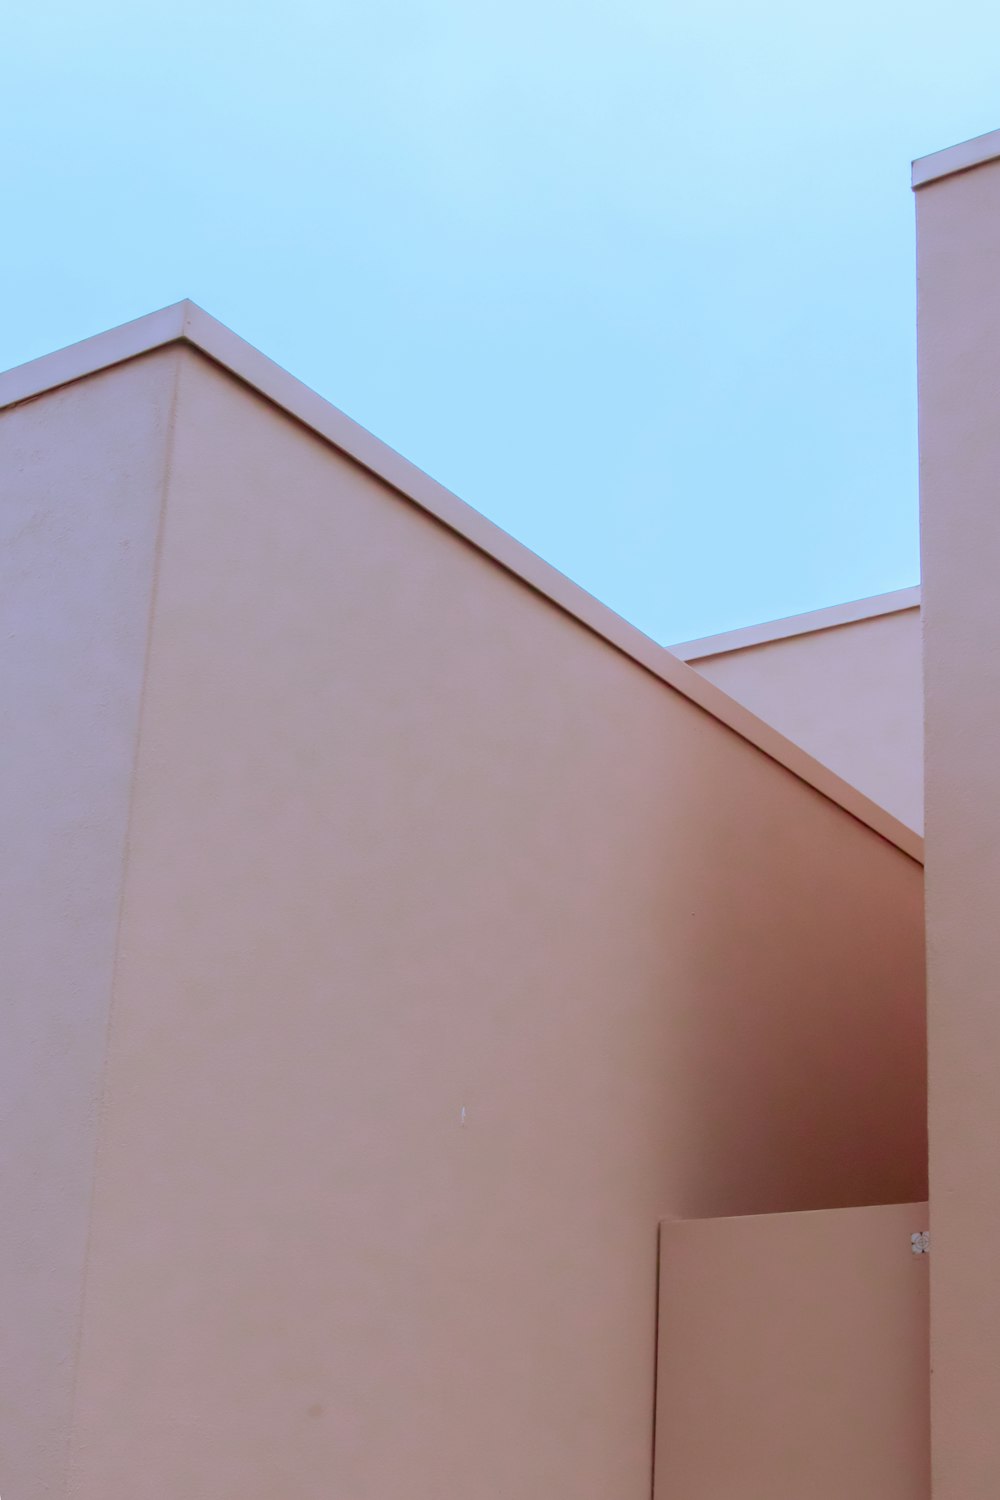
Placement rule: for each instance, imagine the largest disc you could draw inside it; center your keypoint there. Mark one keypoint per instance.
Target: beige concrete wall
(793, 1357)
(851, 695)
(456, 950)
(82, 481)
(959, 322)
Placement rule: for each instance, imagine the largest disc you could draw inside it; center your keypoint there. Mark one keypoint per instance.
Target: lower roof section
(851, 613)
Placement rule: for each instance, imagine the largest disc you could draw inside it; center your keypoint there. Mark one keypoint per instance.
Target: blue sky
(634, 279)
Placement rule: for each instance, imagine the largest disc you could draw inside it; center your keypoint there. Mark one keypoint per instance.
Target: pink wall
(793, 1357)
(82, 478)
(406, 840)
(958, 218)
(851, 695)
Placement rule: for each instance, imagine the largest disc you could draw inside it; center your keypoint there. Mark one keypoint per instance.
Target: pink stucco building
(455, 1046)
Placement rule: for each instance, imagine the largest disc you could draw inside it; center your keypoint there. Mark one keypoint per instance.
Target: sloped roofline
(186, 323)
(852, 613)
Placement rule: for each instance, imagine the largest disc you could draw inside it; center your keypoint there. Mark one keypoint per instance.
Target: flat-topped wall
(794, 1357)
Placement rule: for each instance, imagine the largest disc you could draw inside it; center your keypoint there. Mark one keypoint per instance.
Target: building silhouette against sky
(456, 1046)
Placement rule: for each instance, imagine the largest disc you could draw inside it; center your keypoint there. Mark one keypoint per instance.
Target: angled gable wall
(456, 950)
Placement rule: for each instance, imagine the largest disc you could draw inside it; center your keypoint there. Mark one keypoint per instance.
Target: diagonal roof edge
(185, 322)
(853, 612)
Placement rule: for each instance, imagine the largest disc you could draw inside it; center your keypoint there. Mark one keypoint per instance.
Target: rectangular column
(958, 225)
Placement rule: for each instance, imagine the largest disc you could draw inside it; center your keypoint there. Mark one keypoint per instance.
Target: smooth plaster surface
(793, 1359)
(958, 221)
(851, 695)
(81, 483)
(456, 950)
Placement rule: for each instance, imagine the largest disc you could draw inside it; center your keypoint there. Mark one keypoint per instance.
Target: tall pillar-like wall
(958, 218)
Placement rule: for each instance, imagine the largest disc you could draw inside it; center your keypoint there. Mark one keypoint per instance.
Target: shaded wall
(81, 481)
(958, 220)
(456, 950)
(851, 695)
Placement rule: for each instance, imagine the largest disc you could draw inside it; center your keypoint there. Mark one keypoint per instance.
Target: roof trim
(186, 323)
(830, 618)
(982, 148)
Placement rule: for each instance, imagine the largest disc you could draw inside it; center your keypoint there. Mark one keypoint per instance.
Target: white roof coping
(960, 158)
(186, 323)
(830, 618)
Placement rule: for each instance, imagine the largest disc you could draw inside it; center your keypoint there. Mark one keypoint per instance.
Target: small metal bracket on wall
(920, 1243)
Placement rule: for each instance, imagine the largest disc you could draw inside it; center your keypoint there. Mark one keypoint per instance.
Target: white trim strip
(835, 615)
(952, 159)
(185, 322)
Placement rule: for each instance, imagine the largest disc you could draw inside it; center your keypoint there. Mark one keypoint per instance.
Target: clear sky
(633, 278)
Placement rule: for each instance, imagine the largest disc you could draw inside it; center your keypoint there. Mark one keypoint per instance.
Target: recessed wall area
(793, 1357)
